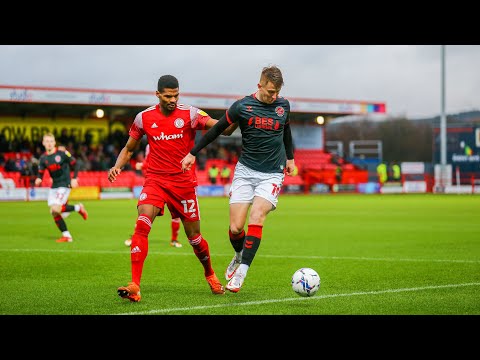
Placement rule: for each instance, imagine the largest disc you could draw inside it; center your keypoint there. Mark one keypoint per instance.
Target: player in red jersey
(170, 128)
(175, 223)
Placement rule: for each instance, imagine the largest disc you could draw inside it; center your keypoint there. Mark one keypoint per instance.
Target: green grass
(376, 255)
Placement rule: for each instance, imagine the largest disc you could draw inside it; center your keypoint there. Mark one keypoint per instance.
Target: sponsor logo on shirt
(263, 123)
(168, 137)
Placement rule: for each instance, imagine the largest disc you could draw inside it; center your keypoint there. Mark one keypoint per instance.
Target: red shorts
(181, 201)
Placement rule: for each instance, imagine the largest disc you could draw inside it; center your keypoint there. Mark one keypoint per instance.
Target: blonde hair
(49, 134)
(272, 74)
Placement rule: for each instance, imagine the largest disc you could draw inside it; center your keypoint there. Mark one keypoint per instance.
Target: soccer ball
(305, 282)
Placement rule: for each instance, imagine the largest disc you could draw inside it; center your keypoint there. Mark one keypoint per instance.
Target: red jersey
(170, 139)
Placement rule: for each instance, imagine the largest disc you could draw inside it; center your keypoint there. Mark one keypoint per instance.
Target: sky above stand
(407, 78)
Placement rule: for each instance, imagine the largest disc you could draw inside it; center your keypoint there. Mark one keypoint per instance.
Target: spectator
(212, 174)
(202, 159)
(338, 173)
(225, 175)
(28, 177)
(382, 173)
(64, 138)
(396, 172)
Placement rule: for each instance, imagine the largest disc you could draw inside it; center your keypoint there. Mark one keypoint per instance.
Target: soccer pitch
(375, 254)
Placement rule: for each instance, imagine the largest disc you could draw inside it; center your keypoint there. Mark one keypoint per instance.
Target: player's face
(267, 92)
(49, 143)
(168, 99)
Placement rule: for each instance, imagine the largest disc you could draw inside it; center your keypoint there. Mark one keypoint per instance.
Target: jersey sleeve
(72, 161)
(232, 113)
(287, 122)
(41, 167)
(136, 130)
(70, 158)
(198, 118)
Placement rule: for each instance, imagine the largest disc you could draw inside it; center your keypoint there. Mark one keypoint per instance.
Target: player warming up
(267, 154)
(170, 128)
(59, 163)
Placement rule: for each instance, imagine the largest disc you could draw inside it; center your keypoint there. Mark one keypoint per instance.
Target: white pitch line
(259, 255)
(298, 298)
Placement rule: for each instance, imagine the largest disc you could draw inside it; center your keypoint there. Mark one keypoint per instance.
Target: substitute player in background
(267, 154)
(170, 128)
(59, 163)
(175, 223)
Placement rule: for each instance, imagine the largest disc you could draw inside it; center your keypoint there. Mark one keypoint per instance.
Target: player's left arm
(74, 165)
(288, 142)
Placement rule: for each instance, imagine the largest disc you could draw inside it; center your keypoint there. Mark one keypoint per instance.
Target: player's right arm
(227, 132)
(41, 171)
(227, 121)
(123, 158)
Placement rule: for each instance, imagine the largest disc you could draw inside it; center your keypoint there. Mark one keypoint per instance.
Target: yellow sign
(85, 193)
(32, 129)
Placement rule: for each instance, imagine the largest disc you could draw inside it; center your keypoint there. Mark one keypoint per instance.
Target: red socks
(139, 247)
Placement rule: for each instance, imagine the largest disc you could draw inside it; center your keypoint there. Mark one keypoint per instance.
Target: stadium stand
(314, 166)
(318, 166)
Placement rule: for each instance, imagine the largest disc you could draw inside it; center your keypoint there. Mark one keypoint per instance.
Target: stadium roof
(19, 100)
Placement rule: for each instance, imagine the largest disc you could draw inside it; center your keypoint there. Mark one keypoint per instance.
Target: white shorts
(248, 183)
(58, 196)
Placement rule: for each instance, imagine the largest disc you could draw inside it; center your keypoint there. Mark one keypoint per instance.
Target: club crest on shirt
(179, 123)
(280, 111)
(57, 158)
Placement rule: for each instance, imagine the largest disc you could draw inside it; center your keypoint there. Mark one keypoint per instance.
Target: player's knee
(195, 239)
(192, 229)
(55, 210)
(236, 228)
(191, 234)
(143, 225)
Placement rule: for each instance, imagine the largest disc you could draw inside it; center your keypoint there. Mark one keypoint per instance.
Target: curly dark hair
(167, 81)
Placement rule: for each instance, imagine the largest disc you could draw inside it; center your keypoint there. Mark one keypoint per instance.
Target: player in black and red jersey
(267, 155)
(59, 163)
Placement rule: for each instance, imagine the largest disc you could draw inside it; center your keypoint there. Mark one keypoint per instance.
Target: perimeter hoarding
(463, 148)
(32, 129)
